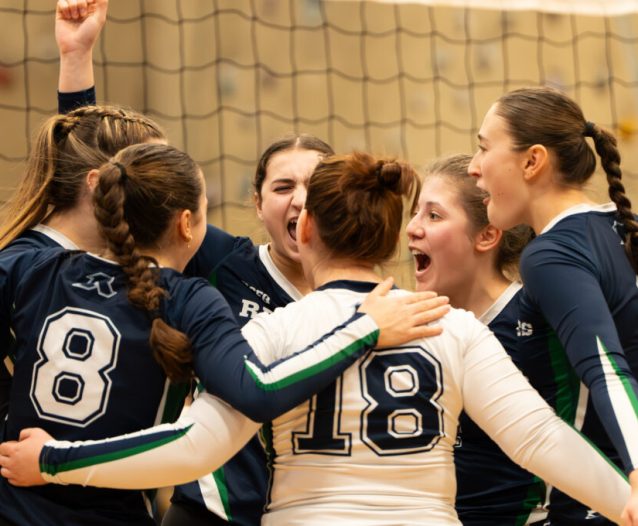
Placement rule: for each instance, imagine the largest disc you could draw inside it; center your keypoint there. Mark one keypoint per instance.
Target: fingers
(420, 296)
(431, 314)
(426, 331)
(5, 472)
(74, 9)
(383, 288)
(7, 448)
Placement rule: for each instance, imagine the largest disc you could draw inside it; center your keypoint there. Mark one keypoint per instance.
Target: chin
(422, 285)
(293, 255)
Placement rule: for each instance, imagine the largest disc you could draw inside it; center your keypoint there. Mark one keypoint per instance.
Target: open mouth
(292, 228)
(421, 260)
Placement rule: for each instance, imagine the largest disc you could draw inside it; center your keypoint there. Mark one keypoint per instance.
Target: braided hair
(66, 148)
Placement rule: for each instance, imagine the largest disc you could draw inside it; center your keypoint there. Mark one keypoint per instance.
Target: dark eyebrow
(283, 180)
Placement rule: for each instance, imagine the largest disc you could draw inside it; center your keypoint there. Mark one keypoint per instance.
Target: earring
(190, 238)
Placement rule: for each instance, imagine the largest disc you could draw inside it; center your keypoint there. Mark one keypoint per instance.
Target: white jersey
(376, 447)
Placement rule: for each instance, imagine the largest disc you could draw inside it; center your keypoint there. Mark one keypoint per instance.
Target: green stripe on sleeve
(53, 469)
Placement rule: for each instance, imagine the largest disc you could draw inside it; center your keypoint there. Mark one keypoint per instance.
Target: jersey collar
(579, 209)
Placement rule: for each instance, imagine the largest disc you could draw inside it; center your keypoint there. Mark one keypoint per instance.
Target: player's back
(83, 370)
(378, 443)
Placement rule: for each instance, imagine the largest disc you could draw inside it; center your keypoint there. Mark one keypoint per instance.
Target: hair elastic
(589, 129)
(123, 174)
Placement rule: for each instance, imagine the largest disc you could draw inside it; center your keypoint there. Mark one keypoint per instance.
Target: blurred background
(407, 79)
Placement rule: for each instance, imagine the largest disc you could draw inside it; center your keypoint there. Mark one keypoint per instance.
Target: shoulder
(191, 297)
(216, 248)
(32, 255)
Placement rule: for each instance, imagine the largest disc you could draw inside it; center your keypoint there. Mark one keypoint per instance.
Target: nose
(414, 230)
(299, 196)
(473, 169)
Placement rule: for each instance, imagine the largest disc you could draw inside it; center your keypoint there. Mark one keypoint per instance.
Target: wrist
(76, 71)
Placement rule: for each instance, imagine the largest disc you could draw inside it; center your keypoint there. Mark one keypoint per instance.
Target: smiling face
(441, 239)
(282, 197)
(500, 170)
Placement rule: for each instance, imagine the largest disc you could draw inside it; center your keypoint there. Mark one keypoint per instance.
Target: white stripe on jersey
(621, 401)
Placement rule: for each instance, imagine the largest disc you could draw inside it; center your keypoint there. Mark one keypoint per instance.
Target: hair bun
(389, 175)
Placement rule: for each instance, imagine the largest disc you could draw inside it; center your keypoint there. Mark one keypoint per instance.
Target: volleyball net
(410, 79)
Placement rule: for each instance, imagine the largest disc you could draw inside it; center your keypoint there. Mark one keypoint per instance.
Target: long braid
(171, 348)
(605, 144)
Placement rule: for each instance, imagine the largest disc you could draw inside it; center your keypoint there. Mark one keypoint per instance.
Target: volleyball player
(460, 254)
(376, 446)
(579, 273)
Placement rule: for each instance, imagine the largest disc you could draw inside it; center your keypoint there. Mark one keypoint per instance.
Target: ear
(488, 238)
(91, 180)
(305, 227)
(257, 199)
(184, 221)
(535, 161)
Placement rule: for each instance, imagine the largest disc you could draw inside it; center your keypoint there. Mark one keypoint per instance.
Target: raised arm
(500, 400)
(78, 24)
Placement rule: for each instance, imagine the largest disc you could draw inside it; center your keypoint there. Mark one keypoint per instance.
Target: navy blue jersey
(84, 369)
(491, 488)
(251, 283)
(581, 290)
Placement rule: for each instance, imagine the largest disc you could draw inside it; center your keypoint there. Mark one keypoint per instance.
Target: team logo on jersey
(100, 282)
(250, 309)
(259, 293)
(524, 328)
(619, 228)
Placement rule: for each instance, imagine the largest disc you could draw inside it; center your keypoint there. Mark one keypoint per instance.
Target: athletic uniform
(251, 283)
(80, 351)
(580, 286)
(376, 446)
(491, 488)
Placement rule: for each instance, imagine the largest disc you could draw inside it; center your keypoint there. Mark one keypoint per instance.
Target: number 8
(71, 384)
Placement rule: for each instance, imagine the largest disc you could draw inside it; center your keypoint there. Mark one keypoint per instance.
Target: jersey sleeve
(228, 367)
(502, 402)
(568, 292)
(72, 100)
(208, 434)
(217, 245)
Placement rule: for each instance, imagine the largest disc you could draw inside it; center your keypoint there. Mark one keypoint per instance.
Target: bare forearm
(76, 72)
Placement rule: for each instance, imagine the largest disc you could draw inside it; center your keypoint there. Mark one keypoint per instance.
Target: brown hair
(285, 143)
(455, 169)
(357, 203)
(148, 181)
(548, 117)
(66, 148)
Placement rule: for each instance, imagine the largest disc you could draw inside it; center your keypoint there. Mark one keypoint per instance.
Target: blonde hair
(66, 148)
